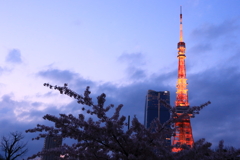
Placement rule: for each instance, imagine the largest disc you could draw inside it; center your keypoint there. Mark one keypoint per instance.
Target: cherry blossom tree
(106, 137)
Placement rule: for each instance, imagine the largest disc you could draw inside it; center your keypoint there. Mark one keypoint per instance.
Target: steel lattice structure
(183, 128)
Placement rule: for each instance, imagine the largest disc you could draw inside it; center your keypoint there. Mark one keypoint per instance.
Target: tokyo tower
(183, 128)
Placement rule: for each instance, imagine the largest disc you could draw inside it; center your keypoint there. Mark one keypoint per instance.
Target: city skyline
(123, 49)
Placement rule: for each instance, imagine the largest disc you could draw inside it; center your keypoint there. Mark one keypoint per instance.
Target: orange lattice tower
(184, 129)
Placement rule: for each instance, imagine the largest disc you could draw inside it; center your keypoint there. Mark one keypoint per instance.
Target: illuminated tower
(184, 129)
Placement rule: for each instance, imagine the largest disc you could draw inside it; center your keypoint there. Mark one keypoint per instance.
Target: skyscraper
(155, 109)
(184, 129)
(51, 142)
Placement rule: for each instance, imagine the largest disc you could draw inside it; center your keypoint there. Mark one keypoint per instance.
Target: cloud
(219, 85)
(215, 122)
(135, 59)
(234, 59)
(135, 73)
(134, 62)
(5, 69)
(14, 56)
(218, 120)
(58, 75)
(212, 32)
(219, 41)
(19, 116)
(22, 111)
(23, 115)
(132, 96)
(201, 48)
(65, 76)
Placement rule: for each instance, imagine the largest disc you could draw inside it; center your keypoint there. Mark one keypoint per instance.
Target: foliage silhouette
(106, 137)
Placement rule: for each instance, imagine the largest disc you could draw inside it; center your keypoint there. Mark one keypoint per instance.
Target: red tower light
(183, 128)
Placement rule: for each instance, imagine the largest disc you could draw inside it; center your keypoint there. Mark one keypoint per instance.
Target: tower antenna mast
(181, 30)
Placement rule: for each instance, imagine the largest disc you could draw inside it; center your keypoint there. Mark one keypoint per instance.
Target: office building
(155, 109)
(51, 142)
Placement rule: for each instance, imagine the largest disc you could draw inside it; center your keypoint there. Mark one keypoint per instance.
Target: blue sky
(121, 48)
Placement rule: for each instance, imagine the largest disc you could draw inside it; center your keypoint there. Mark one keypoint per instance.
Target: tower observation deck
(183, 127)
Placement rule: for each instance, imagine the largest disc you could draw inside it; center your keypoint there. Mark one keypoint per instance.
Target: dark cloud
(201, 48)
(133, 96)
(132, 58)
(58, 75)
(6, 106)
(134, 62)
(212, 32)
(64, 76)
(30, 111)
(219, 41)
(14, 56)
(9, 119)
(234, 60)
(218, 120)
(48, 94)
(135, 73)
(215, 122)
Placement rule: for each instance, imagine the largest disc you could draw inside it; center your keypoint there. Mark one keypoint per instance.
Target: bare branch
(12, 146)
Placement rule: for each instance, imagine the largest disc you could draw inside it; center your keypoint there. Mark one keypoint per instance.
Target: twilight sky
(121, 48)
